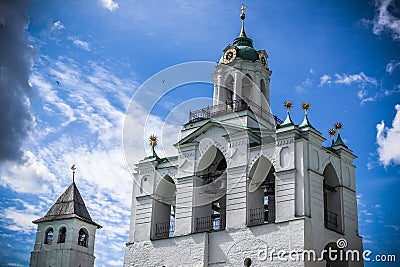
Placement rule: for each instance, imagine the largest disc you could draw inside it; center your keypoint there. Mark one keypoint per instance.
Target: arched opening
(83, 237)
(246, 87)
(48, 236)
(261, 193)
(262, 88)
(335, 256)
(210, 192)
(62, 233)
(332, 200)
(227, 91)
(163, 222)
(142, 184)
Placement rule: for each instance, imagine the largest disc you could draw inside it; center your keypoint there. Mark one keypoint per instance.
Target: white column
(256, 91)
(237, 86)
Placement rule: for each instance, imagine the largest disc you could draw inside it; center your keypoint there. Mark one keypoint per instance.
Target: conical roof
(69, 205)
(339, 142)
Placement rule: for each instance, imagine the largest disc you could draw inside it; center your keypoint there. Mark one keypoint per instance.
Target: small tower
(65, 236)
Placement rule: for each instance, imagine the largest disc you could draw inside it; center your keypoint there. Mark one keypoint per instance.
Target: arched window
(83, 237)
(228, 90)
(264, 92)
(261, 193)
(262, 88)
(62, 233)
(332, 200)
(142, 184)
(246, 87)
(163, 222)
(48, 236)
(210, 192)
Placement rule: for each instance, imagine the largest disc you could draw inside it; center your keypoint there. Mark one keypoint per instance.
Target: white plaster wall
(63, 254)
(190, 250)
(224, 248)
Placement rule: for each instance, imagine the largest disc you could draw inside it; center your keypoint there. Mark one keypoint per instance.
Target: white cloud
(388, 140)
(325, 79)
(392, 65)
(109, 4)
(362, 93)
(50, 95)
(387, 18)
(307, 83)
(79, 43)
(82, 124)
(395, 90)
(349, 79)
(15, 219)
(57, 26)
(32, 176)
(360, 79)
(363, 96)
(394, 227)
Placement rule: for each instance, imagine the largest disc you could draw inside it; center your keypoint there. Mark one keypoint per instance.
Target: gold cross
(73, 168)
(243, 8)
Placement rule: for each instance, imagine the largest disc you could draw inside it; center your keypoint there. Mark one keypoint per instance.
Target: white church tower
(246, 188)
(65, 236)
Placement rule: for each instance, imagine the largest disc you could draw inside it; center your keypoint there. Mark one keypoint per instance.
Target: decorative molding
(257, 156)
(238, 142)
(146, 171)
(286, 141)
(331, 160)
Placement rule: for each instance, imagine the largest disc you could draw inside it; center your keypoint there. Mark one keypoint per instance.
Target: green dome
(245, 48)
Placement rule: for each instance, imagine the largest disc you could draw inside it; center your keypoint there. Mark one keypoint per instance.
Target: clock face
(229, 55)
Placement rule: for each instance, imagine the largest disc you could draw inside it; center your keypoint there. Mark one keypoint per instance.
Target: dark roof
(69, 205)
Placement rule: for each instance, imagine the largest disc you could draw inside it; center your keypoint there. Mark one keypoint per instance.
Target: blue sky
(76, 64)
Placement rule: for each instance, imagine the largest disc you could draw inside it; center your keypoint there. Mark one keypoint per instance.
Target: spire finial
(153, 143)
(288, 105)
(242, 17)
(332, 133)
(305, 106)
(339, 142)
(338, 126)
(288, 121)
(73, 168)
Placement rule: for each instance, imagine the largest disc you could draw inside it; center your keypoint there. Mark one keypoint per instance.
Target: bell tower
(65, 236)
(242, 74)
(245, 187)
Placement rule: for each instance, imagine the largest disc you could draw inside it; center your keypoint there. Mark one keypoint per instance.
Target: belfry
(65, 236)
(246, 188)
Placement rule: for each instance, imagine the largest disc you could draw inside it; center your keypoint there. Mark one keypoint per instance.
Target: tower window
(261, 193)
(210, 189)
(83, 238)
(48, 237)
(332, 200)
(164, 206)
(62, 234)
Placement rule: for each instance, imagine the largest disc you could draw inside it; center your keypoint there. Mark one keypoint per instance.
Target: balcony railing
(331, 220)
(231, 107)
(215, 222)
(258, 216)
(164, 230)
